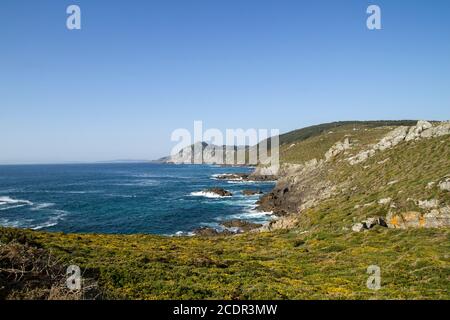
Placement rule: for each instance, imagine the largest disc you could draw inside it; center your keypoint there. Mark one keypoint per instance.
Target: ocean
(123, 198)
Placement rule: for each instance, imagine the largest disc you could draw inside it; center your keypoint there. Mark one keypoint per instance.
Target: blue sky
(140, 69)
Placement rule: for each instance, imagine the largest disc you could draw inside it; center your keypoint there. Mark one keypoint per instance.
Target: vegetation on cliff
(317, 255)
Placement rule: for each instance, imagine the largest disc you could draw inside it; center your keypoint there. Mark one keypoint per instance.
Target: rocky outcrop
(287, 222)
(338, 148)
(422, 130)
(210, 232)
(433, 219)
(299, 187)
(219, 191)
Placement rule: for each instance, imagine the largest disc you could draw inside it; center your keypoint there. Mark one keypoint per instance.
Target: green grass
(316, 146)
(279, 265)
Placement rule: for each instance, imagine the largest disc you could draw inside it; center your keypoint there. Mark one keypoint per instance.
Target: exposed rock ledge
(435, 218)
(422, 130)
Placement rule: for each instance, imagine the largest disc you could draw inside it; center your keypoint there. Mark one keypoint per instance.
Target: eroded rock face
(435, 218)
(299, 187)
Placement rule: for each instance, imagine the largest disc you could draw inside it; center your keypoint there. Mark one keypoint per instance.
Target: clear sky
(137, 70)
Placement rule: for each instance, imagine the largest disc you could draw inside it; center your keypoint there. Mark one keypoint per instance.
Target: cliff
(398, 174)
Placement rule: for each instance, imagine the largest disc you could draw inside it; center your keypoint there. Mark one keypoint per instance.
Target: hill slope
(329, 182)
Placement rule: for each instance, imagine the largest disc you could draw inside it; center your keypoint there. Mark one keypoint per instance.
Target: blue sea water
(122, 198)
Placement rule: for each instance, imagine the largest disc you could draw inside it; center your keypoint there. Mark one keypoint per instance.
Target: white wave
(121, 195)
(8, 200)
(226, 177)
(12, 207)
(254, 215)
(45, 225)
(52, 221)
(207, 194)
(139, 183)
(41, 206)
(10, 224)
(181, 234)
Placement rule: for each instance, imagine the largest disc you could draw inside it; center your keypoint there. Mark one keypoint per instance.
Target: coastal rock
(219, 191)
(245, 177)
(211, 232)
(299, 187)
(248, 192)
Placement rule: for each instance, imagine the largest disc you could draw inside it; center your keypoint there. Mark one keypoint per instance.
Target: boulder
(358, 227)
(337, 149)
(415, 132)
(384, 201)
(445, 185)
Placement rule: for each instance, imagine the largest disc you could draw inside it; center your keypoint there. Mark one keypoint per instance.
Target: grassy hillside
(318, 258)
(278, 265)
(313, 131)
